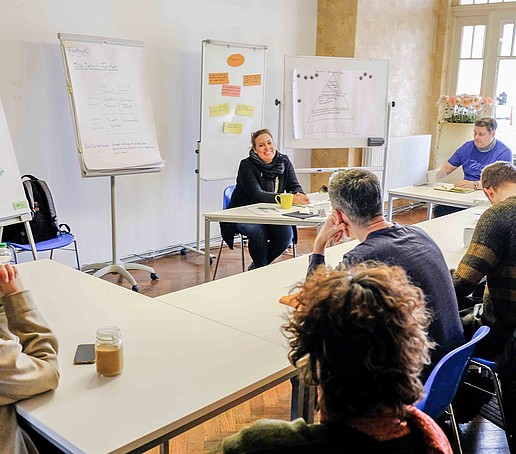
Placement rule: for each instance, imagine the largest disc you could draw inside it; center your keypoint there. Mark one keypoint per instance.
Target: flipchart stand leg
(116, 266)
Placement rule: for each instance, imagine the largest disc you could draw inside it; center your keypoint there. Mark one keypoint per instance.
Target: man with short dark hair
(473, 156)
(356, 198)
(492, 254)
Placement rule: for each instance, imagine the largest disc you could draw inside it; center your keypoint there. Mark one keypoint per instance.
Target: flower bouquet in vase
(464, 108)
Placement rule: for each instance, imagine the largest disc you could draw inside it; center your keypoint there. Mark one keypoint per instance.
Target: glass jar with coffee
(109, 351)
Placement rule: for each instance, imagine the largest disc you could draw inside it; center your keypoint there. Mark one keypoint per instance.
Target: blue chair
(444, 380)
(61, 241)
(226, 199)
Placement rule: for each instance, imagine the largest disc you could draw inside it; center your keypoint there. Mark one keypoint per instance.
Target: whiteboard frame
(85, 173)
(204, 171)
(336, 64)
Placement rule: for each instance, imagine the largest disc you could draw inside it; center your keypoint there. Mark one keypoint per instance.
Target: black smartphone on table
(85, 354)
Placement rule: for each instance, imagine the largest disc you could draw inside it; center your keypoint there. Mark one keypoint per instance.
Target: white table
(245, 215)
(180, 368)
(430, 195)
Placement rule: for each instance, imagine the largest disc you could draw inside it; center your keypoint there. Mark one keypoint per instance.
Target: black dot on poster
(370, 76)
(311, 77)
(306, 77)
(316, 74)
(365, 74)
(299, 75)
(360, 77)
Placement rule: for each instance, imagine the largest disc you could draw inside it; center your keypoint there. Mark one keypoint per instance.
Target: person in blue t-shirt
(473, 156)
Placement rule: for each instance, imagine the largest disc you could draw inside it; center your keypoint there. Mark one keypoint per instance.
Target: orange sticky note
(231, 90)
(235, 60)
(218, 78)
(252, 79)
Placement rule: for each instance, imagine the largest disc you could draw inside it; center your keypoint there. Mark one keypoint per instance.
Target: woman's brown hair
(363, 331)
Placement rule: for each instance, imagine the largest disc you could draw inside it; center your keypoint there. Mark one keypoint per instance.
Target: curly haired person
(360, 336)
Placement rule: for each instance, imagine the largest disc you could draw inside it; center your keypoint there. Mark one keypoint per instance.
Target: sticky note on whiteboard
(20, 205)
(244, 109)
(218, 78)
(219, 109)
(231, 90)
(252, 79)
(232, 127)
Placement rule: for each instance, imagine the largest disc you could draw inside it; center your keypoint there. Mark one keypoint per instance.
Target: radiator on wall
(407, 163)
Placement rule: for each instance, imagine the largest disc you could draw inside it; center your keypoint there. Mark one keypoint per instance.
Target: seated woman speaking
(261, 176)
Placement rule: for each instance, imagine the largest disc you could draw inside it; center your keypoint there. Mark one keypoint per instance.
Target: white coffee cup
(467, 235)
(431, 177)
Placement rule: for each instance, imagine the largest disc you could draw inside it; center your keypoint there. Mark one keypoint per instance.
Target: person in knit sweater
(28, 359)
(492, 254)
(359, 335)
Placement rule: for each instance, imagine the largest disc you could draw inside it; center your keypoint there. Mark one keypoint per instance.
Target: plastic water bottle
(5, 254)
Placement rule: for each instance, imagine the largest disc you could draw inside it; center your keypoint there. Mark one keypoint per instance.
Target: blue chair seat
(60, 241)
(443, 382)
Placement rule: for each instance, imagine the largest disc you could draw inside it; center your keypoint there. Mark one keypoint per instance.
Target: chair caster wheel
(183, 251)
(135, 288)
(154, 276)
(212, 259)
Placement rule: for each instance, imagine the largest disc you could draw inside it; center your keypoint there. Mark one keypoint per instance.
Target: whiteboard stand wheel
(184, 251)
(135, 288)
(212, 259)
(154, 276)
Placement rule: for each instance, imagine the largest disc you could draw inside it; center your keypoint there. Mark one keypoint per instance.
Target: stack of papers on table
(265, 208)
(451, 188)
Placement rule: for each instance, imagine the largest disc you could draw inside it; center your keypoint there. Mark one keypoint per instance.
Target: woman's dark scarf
(270, 171)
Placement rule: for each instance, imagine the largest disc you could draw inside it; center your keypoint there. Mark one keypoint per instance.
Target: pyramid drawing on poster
(331, 112)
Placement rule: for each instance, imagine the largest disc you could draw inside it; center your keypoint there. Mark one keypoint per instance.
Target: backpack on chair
(44, 224)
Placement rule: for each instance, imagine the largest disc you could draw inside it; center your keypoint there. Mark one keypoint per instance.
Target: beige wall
(404, 33)
(411, 35)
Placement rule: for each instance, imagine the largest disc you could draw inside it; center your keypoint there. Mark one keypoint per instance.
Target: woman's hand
(8, 275)
(301, 199)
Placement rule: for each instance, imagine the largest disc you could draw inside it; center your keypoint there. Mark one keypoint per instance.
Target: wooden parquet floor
(177, 272)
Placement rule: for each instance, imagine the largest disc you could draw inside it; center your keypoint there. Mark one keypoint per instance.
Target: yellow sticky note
(233, 128)
(219, 109)
(244, 109)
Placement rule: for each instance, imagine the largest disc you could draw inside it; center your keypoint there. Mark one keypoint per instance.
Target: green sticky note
(20, 205)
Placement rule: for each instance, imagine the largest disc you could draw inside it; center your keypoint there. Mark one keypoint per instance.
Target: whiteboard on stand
(334, 102)
(232, 105)
(13, 203)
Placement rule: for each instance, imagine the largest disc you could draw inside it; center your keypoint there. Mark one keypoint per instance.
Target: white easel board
(111, 107)
(232, 104)
(334, 102)
(13, 203)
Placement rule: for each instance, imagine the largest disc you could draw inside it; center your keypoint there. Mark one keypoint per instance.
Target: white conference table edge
(167, 431)
(244, 215)
(431, 196)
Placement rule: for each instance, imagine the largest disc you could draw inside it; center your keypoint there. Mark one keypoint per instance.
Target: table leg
(207, 254)
(429, 210)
